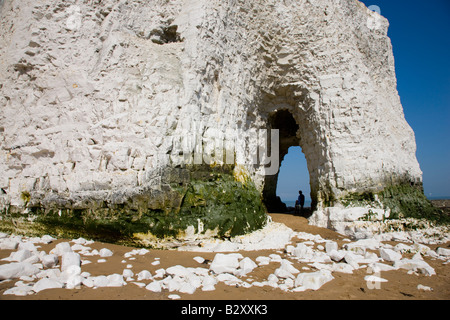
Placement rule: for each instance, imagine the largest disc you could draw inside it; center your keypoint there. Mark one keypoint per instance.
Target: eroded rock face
(102, 103)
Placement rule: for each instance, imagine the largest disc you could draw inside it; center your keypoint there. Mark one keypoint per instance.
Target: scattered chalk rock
(330, 246)
(70, 259)
(47, 239)
(263, 261)
(27, 246)
(17, 270)
(177, 270)
(105, 253)
(424, 288)
(381, 267)
(199, 259)
(127, 273)
(415, 265)
(50, 260)
(115, 280)
(88, 282)
(19, 291)
(337, 255)
(29, 264)
(443, 252)
(74, 282)
(208, 283)
(45, 284)
(20, 255)
(187, 288)
(246, 266)
(160, 273)
(302, 251)
(352, 260)
(224, 263)
(144, 275)
(9, 244)
(343, 268)
(312, 281)
(286, 270)
(390, 255)
(154, 286)
(100, 281)
(61, 248)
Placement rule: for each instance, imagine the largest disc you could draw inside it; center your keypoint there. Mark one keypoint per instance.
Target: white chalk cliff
(97, 96)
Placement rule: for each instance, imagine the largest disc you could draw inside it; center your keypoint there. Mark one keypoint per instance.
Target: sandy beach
(400, 285)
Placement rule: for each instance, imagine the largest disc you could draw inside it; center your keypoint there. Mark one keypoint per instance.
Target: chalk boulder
(415, 265)
(443, 252)
(389, 255)
(45, 284)
(17, 270)
(50, 260)
(70, 259)
(225, 263)
(61, 248)
(312, 281)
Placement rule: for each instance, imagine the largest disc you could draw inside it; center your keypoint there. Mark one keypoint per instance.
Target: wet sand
(400, 285)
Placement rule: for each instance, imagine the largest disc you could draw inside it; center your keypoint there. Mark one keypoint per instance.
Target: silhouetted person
(300, 202)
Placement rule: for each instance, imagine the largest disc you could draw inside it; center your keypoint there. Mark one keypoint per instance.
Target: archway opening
(284, 121)
(292, 178)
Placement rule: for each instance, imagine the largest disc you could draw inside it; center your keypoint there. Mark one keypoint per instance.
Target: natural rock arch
(290, 109)
(283, 121)
(92, 134)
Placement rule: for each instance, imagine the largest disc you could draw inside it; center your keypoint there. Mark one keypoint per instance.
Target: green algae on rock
(218, 206)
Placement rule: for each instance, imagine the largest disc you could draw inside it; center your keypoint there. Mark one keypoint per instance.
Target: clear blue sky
(420, 35)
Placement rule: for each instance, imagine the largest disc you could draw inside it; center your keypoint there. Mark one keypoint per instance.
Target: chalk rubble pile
(37, 270)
